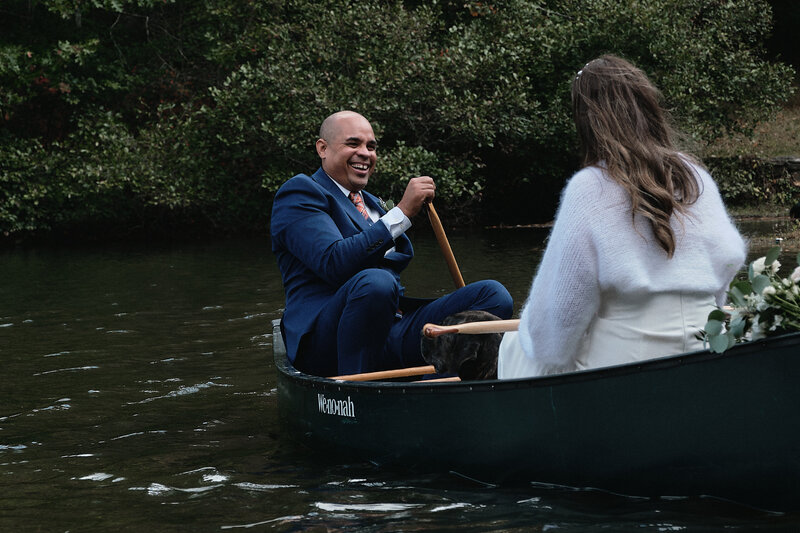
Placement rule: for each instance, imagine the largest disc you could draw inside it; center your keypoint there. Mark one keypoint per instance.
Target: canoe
(724, 425)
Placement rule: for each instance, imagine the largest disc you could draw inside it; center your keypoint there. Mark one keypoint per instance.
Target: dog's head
(469, 356)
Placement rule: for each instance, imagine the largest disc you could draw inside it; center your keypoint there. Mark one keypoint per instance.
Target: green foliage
(104, 175)
(402, 162)
(202, 109)
(765, 304)
(22, 186)
(749, 181)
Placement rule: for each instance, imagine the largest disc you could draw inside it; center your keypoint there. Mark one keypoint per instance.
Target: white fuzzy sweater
(595, 250)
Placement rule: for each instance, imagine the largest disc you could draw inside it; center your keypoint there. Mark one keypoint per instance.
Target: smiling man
(340, 256)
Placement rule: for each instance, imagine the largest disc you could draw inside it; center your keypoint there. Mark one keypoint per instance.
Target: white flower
(756, 302)
(768, 311)
(758, 265)
(753, 301)
(756, 332)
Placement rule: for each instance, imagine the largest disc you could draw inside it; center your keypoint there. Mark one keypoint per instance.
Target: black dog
(469, 356)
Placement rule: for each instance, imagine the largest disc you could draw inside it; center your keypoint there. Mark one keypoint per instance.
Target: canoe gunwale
(651, 365)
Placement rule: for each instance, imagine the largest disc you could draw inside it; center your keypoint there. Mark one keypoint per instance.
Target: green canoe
(724, 425)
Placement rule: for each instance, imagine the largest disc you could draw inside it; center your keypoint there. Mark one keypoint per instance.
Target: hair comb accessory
(578, 75)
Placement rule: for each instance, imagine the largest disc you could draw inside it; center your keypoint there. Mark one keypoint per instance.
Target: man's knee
(375, 283)
(494, 298)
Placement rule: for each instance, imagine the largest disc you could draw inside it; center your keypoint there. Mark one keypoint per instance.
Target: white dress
(606, 293)
(624, 331)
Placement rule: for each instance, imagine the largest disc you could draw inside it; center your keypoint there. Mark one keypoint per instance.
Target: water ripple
(158, 489)
(168, 360)
(71, 369)
(98, 476)
(211, 474)
(57, 354)
(63, 407)
(249, 317)
(450, 506)
(280, 519)
(138, 433)
(13, 447)
(262, 487)
(368, 507)
(182, 391)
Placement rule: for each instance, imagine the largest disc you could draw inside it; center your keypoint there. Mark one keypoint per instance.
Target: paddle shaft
(441, 238)
(439, 380)
(471, 328)
(388, 374)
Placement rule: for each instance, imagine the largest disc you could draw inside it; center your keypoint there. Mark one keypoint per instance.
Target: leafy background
(124, 117)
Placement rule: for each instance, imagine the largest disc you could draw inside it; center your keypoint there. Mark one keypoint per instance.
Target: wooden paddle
(472, 328)
(433, 330)
(441, 238)
(388, 374)
(439, 380)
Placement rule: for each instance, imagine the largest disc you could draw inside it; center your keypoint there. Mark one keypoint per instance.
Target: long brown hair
(622, 125)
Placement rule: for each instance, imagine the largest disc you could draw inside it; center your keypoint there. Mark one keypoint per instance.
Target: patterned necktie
(356, 199)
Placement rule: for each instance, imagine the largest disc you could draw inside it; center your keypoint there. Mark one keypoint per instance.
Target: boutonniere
(386, 206)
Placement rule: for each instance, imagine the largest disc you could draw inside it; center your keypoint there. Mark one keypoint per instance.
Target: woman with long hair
(642, 248)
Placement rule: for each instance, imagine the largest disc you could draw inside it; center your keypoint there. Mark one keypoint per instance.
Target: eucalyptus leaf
(737, 297)
(718, 343)
(745, 286)
(713, 328)
(750, 273)
(717, 314)
(731, 340)
(772, 255)
(737, 326)
(760, 283)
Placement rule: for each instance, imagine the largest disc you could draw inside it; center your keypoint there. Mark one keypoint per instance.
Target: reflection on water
(138, 393)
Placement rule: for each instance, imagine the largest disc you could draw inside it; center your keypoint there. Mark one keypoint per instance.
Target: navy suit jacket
(321, 240)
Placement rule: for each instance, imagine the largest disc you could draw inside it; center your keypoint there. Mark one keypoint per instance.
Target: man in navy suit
(340, 256)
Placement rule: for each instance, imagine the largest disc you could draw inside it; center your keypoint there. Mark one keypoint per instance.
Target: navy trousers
(361, 329)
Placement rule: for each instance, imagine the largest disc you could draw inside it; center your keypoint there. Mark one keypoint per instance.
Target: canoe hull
(723, 425)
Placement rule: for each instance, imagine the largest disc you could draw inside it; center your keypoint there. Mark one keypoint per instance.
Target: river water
(138, 394)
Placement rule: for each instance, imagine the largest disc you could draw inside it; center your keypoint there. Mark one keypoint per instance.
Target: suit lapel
(403, 249)
(372, 202)
(344, 202)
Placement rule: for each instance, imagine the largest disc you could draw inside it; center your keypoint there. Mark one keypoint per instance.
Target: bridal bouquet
(765, 304)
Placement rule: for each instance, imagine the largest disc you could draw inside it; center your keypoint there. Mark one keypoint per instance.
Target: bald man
(340, 256)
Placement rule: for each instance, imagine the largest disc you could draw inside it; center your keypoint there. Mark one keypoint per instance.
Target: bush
(201, 110)
(750, 181)
(24, 190)
(487, 86)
